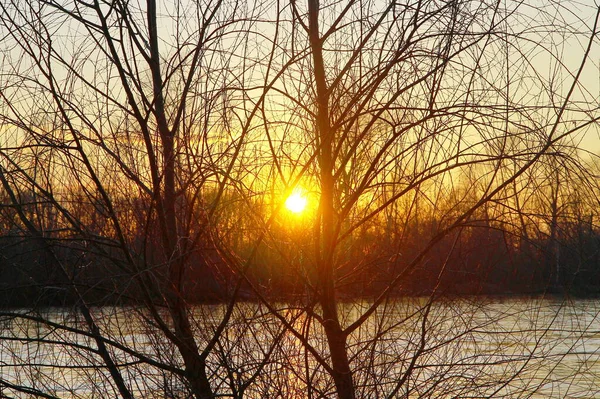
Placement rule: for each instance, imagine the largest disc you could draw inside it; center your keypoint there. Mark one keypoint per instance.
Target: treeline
(485, 255)
(65, 263)
(481, 258)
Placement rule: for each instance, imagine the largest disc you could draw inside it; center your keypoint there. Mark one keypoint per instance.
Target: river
(460, 348)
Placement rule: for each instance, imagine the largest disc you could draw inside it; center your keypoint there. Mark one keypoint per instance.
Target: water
(530, 348)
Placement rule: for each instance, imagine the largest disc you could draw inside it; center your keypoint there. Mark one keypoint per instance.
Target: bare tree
(121, 123)
(147, 151)
(399, 102)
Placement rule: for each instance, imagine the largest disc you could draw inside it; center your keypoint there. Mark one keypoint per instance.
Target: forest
(552, 250)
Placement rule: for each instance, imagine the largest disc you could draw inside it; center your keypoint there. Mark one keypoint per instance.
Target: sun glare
(296, 202)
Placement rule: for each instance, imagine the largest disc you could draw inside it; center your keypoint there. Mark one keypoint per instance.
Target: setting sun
(296, 202)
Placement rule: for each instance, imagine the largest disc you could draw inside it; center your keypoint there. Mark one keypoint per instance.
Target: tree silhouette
(147, 150)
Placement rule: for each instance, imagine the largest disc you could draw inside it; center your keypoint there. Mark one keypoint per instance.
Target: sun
(296, 202)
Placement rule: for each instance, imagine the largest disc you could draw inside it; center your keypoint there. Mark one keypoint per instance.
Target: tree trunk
(195, 365)
(336, 338)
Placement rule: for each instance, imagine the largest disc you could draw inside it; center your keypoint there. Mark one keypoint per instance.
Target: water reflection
(410, 348)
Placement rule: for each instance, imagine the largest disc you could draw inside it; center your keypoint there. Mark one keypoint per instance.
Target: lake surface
(477, 347)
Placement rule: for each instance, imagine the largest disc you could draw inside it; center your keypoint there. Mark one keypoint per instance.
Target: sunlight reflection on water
(539, 348)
